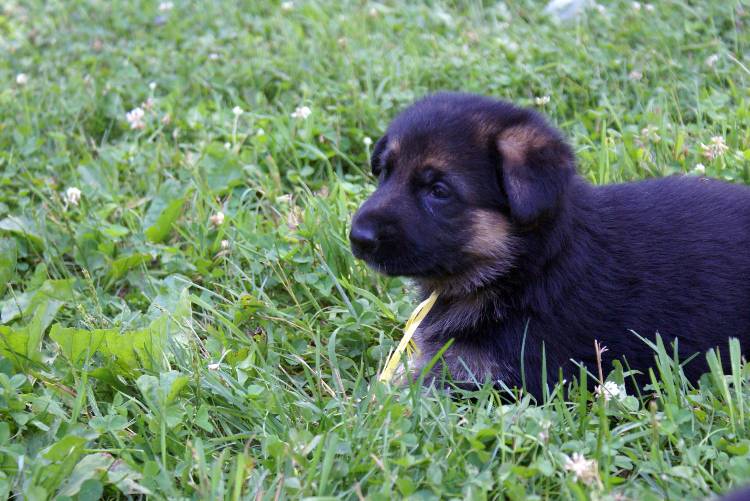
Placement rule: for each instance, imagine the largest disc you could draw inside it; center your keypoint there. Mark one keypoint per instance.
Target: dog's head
(462, 180)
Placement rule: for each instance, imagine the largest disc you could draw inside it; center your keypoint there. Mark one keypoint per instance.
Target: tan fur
(516, 142)
(439, 162)
(493, 246)
(491, 235)
(483, 126)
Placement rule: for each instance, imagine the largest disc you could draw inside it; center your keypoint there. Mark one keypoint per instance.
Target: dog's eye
(440, 190)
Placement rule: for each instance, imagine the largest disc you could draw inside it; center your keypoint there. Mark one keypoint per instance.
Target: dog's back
(674, 258)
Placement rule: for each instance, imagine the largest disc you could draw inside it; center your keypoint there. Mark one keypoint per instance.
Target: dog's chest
(472, 357)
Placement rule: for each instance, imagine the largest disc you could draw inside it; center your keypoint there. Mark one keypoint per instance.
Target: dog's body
(519, 246)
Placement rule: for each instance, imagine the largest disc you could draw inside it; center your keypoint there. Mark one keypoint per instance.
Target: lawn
(180, 314)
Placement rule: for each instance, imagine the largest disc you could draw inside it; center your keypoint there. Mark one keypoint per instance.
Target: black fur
(582, 262)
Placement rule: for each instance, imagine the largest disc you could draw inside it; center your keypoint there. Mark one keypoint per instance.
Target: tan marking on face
(439, 161)
(516, 142)
(493, 247)
(490, 235)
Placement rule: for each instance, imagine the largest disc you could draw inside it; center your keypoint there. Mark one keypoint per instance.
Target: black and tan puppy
(480, 200)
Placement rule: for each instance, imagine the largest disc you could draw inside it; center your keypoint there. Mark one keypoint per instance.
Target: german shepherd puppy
(480, 200)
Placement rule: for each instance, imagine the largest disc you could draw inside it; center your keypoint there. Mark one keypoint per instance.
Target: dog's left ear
(537, 166)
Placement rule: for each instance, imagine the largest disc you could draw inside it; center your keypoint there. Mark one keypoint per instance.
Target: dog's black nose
(363, 238)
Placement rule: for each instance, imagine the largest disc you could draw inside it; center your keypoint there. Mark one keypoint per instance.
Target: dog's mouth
(395, 262)
(397, 268)
(408, 264)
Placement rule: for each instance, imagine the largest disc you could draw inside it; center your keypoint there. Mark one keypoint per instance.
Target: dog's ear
(376, 157)
(536, 167)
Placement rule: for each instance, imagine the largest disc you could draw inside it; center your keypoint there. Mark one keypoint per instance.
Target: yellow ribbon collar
(407, 343)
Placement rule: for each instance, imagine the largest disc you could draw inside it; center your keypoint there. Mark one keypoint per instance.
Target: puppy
(480, 201)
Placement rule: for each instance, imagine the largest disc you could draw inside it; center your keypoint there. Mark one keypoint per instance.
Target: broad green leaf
(171, 298)
(25, 341)
(163, 225)
(109, 423)
(160, 392)
(114, 230)
(221, 169)
(133, 349)
(90, 467)
(174, 297)
(66, 446)
(13, 341)
(52, 294)
(91, 490)
(23, 227)
(122, 265)
(36, 329)
(75, 344)
(138, 348)
(203, 420)
(101, 176)
(164, 211)
(126, 479)
(8, 257)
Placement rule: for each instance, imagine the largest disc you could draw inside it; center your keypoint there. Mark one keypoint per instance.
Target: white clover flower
(22, 79)
(699, 169)
(166, 6)
(228, 146)
(611, 390)
(224, 244)
(217, 219)
(135, 118)
(302, 112)
(367, 141)
(152, 86)
(260, 132)
(651, 133)
(542, 100)
(373, 12)
(213, 56)
(287, 6)
(716, 148)
(635, 75)
(649, 7)
(73, 195)
(148, 104)
(712, 60)
(166, 119)
(636, 6)
(511, 46)
(237, 111)
(584, 470)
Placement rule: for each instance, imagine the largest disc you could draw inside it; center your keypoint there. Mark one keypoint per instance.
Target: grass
(147, 350)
